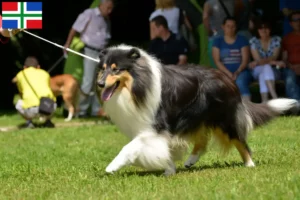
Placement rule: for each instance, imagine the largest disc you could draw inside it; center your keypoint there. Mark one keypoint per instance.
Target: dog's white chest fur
(123, 112)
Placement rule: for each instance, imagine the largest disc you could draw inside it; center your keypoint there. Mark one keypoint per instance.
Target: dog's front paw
(169, 172)
(110, 169)
(249, 164)
(191, 161)
(67, 120)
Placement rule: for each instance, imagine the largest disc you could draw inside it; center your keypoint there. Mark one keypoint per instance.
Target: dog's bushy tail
(261, 114)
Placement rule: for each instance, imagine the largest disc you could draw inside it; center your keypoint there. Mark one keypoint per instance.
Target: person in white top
(171, 12)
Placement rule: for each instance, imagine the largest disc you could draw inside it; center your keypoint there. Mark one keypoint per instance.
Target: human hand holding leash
(66, 46)
(9, 32)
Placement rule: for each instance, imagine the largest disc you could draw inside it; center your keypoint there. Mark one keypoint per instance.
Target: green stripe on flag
(22, 13)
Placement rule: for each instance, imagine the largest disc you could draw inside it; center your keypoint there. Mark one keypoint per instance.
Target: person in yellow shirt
(39, 80)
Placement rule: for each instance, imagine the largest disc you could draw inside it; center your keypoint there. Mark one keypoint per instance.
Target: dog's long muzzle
(101, 81)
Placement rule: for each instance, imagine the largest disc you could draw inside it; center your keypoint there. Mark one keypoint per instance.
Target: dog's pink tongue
(107, 93)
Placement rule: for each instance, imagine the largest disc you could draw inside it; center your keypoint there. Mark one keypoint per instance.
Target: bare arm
(216, 57)
(7, 33)
(71, 35)
(275, 55)
(263, 61)
(285, 56)
(14, 80)
(151, 32)
(245, 58)
(284, 62)
(182, 59)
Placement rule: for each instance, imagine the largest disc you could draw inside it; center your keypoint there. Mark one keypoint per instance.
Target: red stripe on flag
(34, 24)
(9, 6)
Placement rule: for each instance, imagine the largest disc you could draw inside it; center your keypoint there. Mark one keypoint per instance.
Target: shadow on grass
(73, 122)
(8, 112)
(100, 173)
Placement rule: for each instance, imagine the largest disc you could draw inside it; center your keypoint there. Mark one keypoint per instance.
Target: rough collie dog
(164, 108)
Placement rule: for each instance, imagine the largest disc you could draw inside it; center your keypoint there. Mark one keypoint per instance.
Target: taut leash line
(62, 47)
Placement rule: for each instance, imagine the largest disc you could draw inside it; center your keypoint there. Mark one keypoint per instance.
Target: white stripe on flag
(30, 12)
(13, 12)
(13, 18)
(32, 18)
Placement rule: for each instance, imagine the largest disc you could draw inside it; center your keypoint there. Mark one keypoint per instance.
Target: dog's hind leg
(148, 150)
(244, 151)
(244, 124)
(200, 146)
(69, 104)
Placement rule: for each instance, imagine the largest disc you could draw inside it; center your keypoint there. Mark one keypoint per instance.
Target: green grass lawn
(69, 163)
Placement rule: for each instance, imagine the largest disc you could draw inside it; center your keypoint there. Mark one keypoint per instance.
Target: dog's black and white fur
(163, 108)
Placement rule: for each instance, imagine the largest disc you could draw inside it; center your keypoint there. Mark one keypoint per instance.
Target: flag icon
(24, 15)
(0, 22)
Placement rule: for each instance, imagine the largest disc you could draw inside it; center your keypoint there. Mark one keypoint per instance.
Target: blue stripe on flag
(10, 23)
(34, 6)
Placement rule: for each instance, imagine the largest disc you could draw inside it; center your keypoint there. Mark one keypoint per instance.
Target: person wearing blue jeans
(231, 54)
(93, 26)
(292, 88)
(291, 80)
(291, 57)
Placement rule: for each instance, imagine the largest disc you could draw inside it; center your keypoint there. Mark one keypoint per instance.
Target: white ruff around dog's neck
(121, 108)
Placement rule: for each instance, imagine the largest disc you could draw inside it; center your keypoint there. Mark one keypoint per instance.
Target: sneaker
(27, 124)
(83, 116)
(48, 124)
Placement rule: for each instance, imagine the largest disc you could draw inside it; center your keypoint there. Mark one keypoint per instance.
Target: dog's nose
(101, 83)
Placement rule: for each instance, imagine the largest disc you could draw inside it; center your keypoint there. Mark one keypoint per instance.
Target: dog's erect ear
(134, 53)
(102, 53)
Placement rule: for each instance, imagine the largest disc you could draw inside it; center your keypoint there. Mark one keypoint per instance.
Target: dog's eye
(116, 70)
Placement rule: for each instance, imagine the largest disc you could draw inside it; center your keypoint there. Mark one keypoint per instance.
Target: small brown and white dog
(67, 86)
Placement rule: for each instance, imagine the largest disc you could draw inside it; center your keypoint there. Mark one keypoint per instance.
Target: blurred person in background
(33, 83)
(167, 46)
(174, 16)
(291, 57)
(231, 54)
(265, 51)
(214, 13)
(93, 25)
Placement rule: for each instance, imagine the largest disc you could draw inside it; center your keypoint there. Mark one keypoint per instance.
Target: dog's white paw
(169, 172)
(249, 164)
(191, 161)
(110, 169)
(67, 119)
